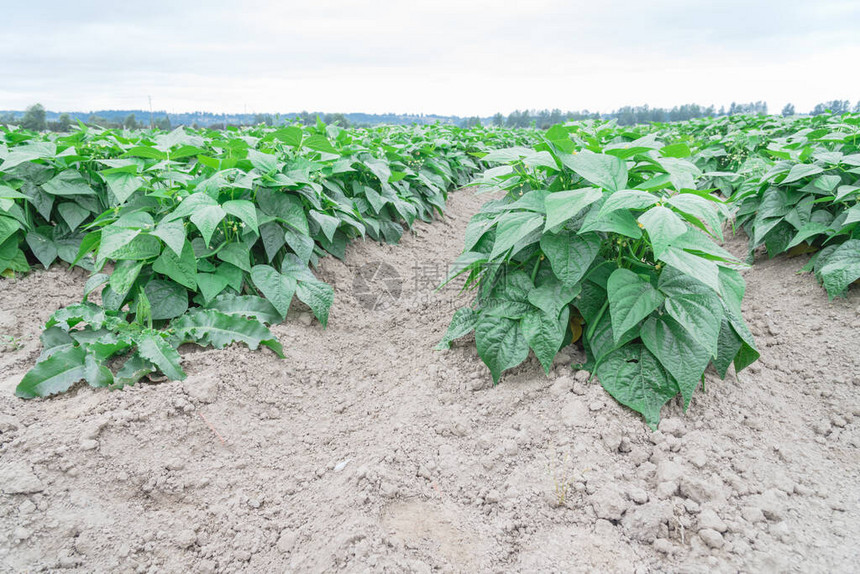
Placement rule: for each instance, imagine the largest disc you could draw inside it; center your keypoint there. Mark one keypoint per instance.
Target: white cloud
(444, 56)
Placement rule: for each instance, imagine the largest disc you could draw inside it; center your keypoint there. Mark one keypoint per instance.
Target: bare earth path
(367, 451)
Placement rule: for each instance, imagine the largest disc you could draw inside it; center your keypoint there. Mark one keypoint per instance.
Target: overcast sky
(462, 57)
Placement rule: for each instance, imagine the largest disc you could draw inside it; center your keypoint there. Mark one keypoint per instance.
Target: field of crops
(605, 275)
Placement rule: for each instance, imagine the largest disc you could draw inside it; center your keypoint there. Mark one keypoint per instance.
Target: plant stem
(597, 319)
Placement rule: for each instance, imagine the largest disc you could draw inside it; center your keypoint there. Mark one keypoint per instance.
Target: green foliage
(624, 240)
(172, 223)
(804, 195)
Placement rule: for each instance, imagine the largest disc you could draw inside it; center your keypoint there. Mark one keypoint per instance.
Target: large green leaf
(462, 323)
(501, 344)
(602, 170)
(631, 299)
(509, 297)
(512, 228)
(67, 183)
(662, 225)
(694, 305)
(153, 348)
(276, 287)
(693, 265)
(55, 374)
(318, 296)
(207, 219)
(570, 255)
(173, 235)
(211, 327)
(182, 269)
(122, 185)
(677, 351)
(564, 205)
(246, 306)
(244, 210)
(124, 275)
(627, 199)
(801, 170)
(552, 295)
(167, 299)
(841, 268)
(634, 378)
(545, 334)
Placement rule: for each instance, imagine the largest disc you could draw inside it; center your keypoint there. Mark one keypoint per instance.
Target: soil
(367, 451)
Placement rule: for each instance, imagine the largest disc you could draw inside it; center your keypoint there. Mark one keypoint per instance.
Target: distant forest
(37, 118)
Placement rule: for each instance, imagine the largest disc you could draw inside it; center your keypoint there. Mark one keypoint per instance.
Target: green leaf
(302, 245)
(263, 162)
(207, 219)
(246, 306)
(677, 351)
(552, 295)
(328, 223)
(276, 287)
(602, 170)
(236, 254)
(627, 199)
(244, 210)
(43, 247)
(73, 214)
(173, 235)
(694, 305)
(155, 349)
(8, 227)
(272, 236)
(134, 369)
(631, 299)
(728, 345)
(286, 207)
(509, 297)
(68, 183)
(94, 282)
(732, 288)
(501, 344)
(290, 135)
(512, 228)
(698, 209)
(562, 206)
(841, 268)
(319, 143)
(662, 226)
(181, 269)
(462, 323)
(545, 334)
(318, 296)
(621, 222)
(124, 275)
(122, 185)
(211, 285)
(801, 170)
(634, 378)
(72, 315)
(211, 327)
(115, 238)
(55, 374)
(705, 271)
(679, 150)
(166, 298)
(570, 255)
(96, 374)
(190, 205)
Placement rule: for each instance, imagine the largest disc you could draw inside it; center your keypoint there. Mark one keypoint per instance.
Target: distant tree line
(36, 118)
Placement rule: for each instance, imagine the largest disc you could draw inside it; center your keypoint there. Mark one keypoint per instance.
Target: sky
(449, 57)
